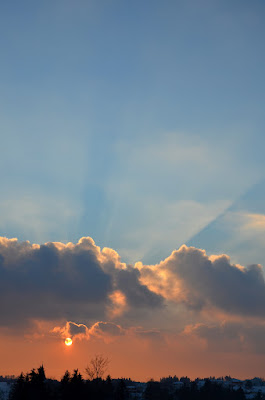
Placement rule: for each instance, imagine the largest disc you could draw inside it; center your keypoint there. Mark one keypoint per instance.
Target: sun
(68, 341)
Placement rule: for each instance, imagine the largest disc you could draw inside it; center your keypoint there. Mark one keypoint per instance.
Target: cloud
(81, 282)
(106, 331)
(191, 306)
(66, 281)
(137, 295)
(118, 304)
(71, 329)
(101, 330)
(254, 221)
(230, 336)
(200, 282)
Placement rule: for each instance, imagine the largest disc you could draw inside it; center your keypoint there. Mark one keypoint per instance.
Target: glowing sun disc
(68, 341)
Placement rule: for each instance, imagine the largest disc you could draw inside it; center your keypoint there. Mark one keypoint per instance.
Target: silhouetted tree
(19, 390)
(152, 391)
(120, 392)
(37, 388)
(65, 383)
(97, 367)
(30, 387)
(108, 388)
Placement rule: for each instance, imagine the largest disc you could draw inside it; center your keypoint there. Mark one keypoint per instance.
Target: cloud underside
(88, 293)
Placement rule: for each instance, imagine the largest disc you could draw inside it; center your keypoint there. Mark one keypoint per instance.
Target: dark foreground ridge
(35, 386)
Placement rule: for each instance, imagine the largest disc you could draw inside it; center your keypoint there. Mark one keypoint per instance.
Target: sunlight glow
(68, 341)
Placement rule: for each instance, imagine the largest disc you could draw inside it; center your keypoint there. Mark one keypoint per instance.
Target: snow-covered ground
(251, 394)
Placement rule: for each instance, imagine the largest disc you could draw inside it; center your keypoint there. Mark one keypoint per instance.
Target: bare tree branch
(97, 367)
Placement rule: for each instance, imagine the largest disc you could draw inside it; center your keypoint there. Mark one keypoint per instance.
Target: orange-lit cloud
(190, 302)
(118, 304)
(73, 330)
(56, 280)
(191, 277)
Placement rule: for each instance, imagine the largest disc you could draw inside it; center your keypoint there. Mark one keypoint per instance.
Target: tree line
(35, 386)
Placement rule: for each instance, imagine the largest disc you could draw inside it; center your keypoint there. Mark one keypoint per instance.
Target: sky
(132, 195)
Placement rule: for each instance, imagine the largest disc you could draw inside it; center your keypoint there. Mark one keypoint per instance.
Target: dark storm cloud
(137, 295)
(103, 330)
(55, 281)
(48, 282)
(232, 336)
(81, 282)
(76, 329)
(106, 328)
(191, 277)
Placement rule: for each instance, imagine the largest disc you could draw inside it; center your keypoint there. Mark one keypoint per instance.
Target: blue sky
(135, 123)
(141, 125)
